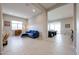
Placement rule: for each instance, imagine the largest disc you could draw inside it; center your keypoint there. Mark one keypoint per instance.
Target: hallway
(59, 45)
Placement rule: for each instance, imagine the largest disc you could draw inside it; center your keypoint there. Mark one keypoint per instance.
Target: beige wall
(64, 21)
(10, 18)
(39, 23)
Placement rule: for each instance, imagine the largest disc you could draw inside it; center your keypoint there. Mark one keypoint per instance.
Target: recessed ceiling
(61, 12)
(22, 10)
(47, 5)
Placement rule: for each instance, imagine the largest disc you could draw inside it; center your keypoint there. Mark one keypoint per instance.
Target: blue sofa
(31, 34)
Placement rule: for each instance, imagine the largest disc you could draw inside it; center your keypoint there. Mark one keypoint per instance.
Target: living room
(32, 36)
(19, 19)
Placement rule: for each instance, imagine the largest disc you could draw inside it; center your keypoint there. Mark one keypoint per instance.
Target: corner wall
(39, 23)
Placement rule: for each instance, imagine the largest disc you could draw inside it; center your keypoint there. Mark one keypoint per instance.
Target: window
(16, 25)
(55, 26)
(52, 26)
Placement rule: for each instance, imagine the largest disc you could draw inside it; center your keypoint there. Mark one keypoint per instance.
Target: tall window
(16, 25)
(55, 26)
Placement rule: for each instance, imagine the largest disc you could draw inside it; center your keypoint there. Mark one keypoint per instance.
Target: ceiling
(47, 5)
(27, 10)
(23, 10)
(61, 12)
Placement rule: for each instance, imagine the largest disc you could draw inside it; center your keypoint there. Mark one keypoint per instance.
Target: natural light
(16, 25)
(56, 26)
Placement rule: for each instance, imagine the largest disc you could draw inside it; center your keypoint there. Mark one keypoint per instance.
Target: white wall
(67, 30)
(10, 18)
(77, 20)
(39, 23)
(64, 21)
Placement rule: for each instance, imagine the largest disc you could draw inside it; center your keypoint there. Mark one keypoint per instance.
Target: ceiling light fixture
(33, 10)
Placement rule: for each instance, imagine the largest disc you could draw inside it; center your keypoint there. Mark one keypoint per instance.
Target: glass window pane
(51, 26)
(19, 26)
(14, 26)
(16, 22)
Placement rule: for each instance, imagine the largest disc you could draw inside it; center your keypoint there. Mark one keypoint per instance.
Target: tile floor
(58, 45)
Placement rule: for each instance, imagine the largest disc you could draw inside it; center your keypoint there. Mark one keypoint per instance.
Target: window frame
(17, 23)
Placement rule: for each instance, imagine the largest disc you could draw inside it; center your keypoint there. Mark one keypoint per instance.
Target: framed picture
(6, 23)
(67, 25)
